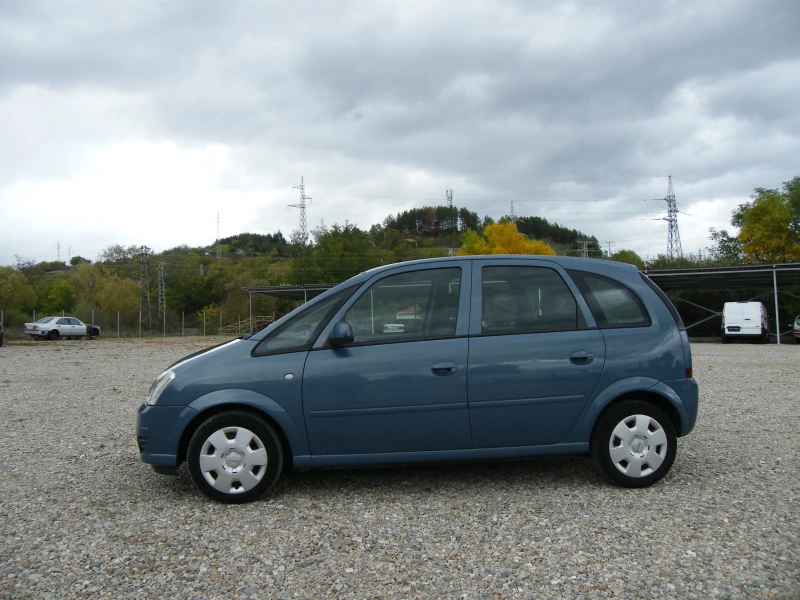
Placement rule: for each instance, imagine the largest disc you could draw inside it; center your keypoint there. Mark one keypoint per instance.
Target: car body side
(63, 326)
(650, 362)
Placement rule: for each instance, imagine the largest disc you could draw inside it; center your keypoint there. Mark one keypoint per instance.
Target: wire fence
(166, 324)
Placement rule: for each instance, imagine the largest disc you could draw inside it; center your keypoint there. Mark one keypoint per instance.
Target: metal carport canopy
(729, 278)
(298, 293)
(743, 277)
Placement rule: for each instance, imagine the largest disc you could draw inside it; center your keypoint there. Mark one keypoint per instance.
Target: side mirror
(342, 334)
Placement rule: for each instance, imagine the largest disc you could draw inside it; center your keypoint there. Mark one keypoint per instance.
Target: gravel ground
(80, 516)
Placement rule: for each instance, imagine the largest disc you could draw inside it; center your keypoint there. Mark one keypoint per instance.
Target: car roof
(566, 262)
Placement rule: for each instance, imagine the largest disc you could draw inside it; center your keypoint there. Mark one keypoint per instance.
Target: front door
(401, 385)
(533, 362)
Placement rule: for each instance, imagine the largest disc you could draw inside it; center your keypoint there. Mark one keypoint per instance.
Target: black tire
(726, 339)
(53, 335)
(248, 479)
(655, 442)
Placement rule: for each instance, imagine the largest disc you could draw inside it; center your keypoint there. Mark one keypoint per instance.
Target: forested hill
(430, 225)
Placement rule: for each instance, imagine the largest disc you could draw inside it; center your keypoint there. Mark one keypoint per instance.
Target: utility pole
(609, 248)
(584, 244)
(162, 298)
(217, 235)
(513, 216)
(302, 207)
(58, 251)
(144, 282)
(674, 249)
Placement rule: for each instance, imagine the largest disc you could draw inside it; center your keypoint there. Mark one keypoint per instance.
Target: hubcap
(638, 446)
(233, 460)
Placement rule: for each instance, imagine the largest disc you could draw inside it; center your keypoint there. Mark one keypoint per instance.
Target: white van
(744, 320)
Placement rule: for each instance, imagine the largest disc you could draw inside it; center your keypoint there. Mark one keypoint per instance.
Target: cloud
(577, 111)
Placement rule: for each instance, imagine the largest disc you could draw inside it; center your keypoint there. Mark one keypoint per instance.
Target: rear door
(533, 360)
(63, 327)
(751, 318)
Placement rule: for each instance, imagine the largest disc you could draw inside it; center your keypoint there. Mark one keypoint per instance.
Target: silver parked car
(53, 328)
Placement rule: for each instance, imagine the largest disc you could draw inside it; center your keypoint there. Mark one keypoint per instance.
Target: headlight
(161, 382)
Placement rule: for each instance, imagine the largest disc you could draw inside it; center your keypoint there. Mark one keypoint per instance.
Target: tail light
(689, 374)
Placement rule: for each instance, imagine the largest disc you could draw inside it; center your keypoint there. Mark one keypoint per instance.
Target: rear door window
(522, 299)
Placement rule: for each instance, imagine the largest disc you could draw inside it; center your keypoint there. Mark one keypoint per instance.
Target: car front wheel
(235, 457)
(633, 444)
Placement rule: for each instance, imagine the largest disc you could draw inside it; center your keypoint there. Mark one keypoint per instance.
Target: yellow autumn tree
(502, 238)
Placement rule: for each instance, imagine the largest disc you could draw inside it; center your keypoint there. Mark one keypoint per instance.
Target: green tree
(628, 256)
(725, 249)
(118, 294)
(60, 297)
(769, 225)
(15, 291)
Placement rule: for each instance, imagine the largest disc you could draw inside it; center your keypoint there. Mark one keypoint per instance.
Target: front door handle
(581, 357)
(444, 367)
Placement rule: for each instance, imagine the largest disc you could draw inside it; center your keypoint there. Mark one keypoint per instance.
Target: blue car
(451, 359)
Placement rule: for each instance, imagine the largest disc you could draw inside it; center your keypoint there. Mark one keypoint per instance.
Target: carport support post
(775, 289)
(182, 323)
(250, 303)
(204, 323)
(140, 322)
(92, 316)
(117, 323)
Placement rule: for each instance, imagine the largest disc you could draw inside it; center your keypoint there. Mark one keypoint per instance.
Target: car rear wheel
(53, 335)
(235, 457)
(633, 444)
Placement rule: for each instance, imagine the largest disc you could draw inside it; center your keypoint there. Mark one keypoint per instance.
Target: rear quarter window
(612, 303)
(665, 299)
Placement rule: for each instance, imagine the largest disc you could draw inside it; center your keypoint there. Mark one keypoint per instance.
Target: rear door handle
(444, 367)
(581, 357)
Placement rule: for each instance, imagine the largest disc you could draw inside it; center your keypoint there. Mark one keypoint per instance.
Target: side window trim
(581, 310)
(462, 323)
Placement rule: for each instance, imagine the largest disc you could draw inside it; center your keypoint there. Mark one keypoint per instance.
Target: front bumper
(158, 433)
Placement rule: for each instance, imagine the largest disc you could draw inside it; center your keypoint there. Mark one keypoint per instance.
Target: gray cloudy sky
(136, 122)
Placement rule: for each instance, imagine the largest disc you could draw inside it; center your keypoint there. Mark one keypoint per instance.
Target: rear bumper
(685, 397)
